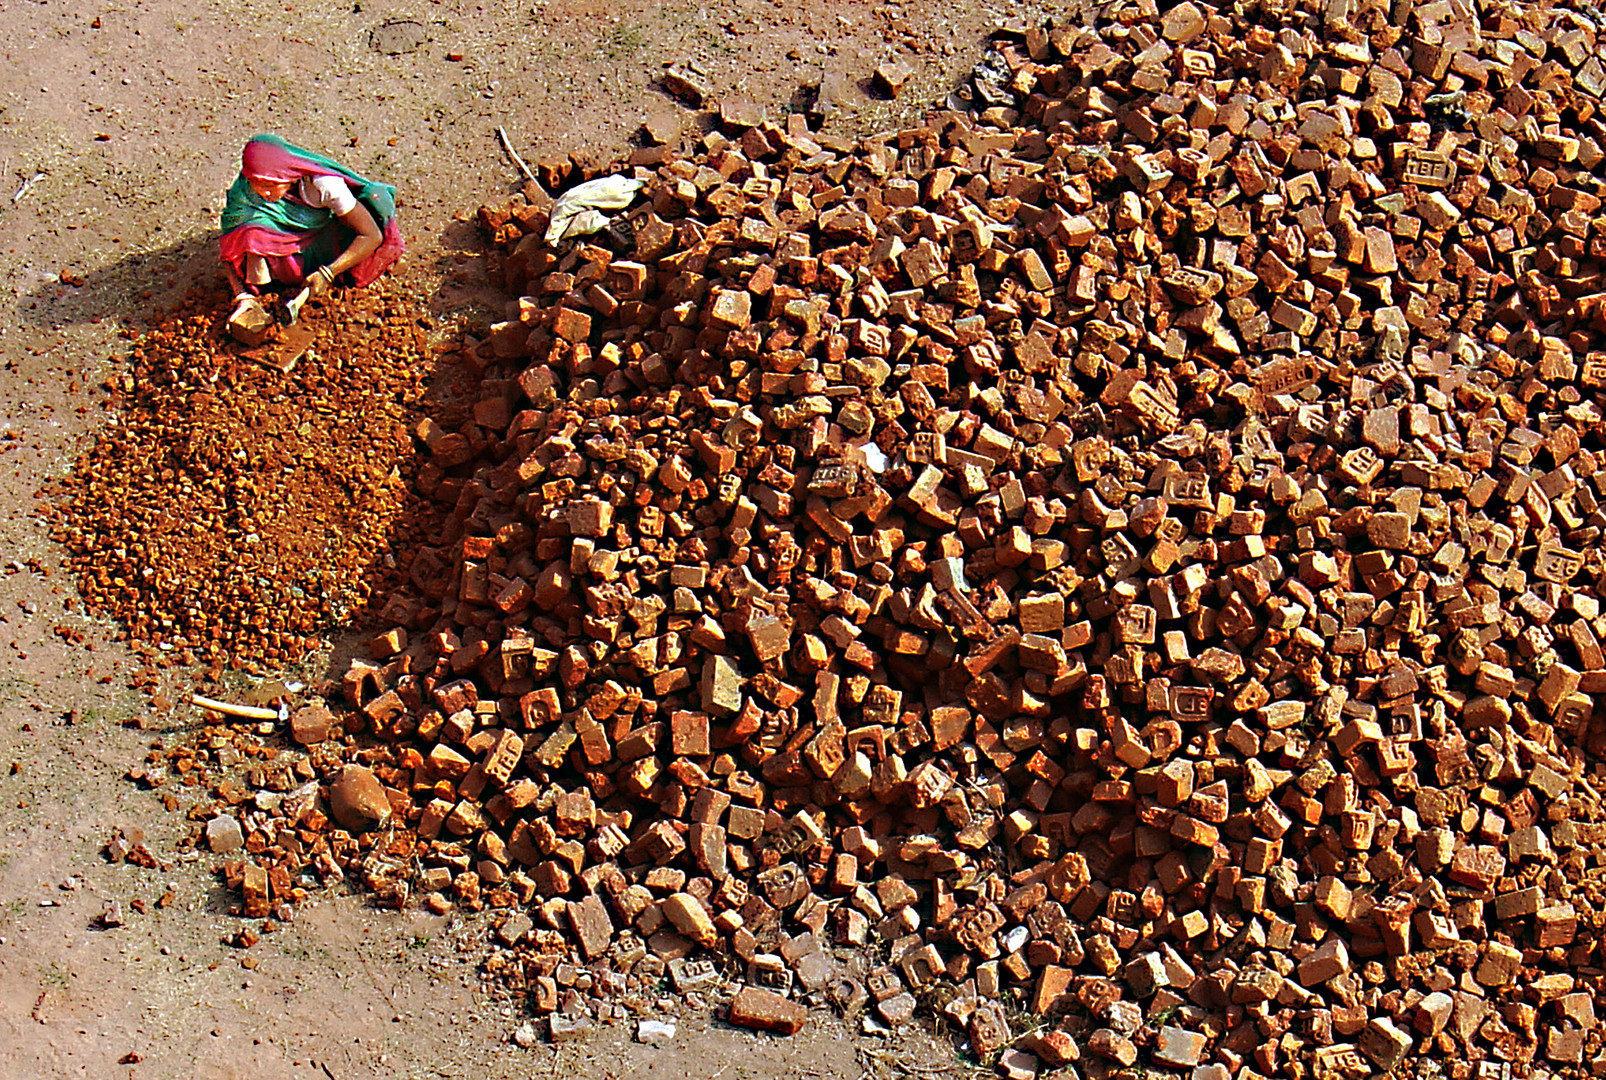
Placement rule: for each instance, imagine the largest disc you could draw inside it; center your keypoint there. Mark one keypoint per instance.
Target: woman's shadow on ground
(136, 289)
(142, 287)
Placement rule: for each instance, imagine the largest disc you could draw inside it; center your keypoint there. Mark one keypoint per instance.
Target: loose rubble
(1130, 550)
(234, 511)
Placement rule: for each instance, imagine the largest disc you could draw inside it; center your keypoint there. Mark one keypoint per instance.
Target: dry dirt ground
(120, 126)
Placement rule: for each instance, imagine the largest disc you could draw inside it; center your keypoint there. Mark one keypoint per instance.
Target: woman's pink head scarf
(266, 160)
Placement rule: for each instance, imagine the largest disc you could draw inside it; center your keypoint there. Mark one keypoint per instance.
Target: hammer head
(290, 307)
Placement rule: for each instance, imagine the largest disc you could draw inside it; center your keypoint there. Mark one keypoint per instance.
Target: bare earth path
(119, 129)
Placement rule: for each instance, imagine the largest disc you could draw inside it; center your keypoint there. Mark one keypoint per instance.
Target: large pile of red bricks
(1132, 549)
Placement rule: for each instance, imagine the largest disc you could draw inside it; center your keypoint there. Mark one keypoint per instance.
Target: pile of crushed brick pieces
(1131, 550)
(232, 512)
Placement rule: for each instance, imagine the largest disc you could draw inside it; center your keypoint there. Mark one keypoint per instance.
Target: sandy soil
(120, 125)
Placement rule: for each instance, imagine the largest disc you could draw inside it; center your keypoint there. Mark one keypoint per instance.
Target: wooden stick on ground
(244, 712)
(507, 145)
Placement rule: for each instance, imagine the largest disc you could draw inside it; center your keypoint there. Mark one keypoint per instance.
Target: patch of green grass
(117, 710)
(305, 954)
(717, 40)
(16, 684)
(54, 977)
(625, 40)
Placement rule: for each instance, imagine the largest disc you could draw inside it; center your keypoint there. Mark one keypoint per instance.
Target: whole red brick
(764, 1011)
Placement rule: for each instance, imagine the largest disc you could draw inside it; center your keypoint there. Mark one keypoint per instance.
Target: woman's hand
(320, 281)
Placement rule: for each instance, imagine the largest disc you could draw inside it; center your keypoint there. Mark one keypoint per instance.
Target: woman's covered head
(271, 167)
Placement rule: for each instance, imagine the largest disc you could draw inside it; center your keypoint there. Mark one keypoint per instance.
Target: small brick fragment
(358, 801)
